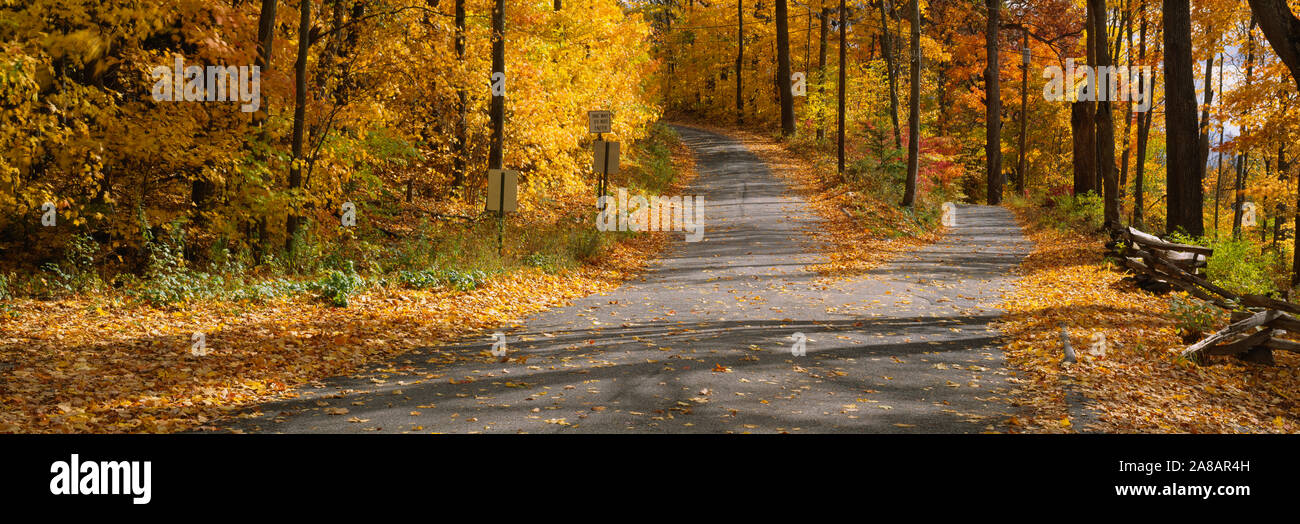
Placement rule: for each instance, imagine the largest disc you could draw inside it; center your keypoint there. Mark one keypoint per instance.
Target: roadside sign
(600, 121)
(503, 188)
(605, 160)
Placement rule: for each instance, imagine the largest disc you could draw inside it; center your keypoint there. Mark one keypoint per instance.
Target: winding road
(703, 341)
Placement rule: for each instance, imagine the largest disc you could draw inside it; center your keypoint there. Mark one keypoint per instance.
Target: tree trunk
(843, 68)
(1243, 167)
(1239, 196)
(265, 41)
(1083, 129)
(1128, 117)
(1204, 126)
(265, 44)
(1282, 174)
(299, 122)
(889, 71)
(497, 111)
(1104, 117)
(1183, 190)
(1204, 144)
(1024, 111)
(993, 105)
(461, 159)
(1083, 134)
(1140, 169)
(1090, 122)
(1143, 129)
(740, 59)
(1282, 29)
(821, 68)
(1218, 176)
(914, 109)
(783, 67)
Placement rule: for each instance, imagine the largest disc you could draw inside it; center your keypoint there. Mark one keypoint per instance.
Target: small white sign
(799, 84)
(605, 159)
(499, 181)
(600, 121)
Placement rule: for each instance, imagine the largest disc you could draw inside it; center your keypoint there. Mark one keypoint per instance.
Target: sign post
(503, 192)
(600, 121)
(605, 160)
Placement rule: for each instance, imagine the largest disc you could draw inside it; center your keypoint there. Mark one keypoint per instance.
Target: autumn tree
(1282, 29)
(498, 109)
(299, 118)
(887, 51)
(1184, 210)
(823, 22)
(1144, 120)
(459, 162)
(993, 105)
(843, 28)
(914, 108)
(783, 67)
(740, 61)
(1243, 164)
(1104, 117)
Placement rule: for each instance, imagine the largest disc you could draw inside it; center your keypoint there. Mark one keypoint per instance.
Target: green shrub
(269, 289)
(586, 244)
(306, 253)
(76, 272)
(1084, 212)
(1236, 267)
(550, 263)
(465, 280)
(166, 280)
(79, 254)
(337, 286)
(440, 278)
(1192, 316)
(425, 279)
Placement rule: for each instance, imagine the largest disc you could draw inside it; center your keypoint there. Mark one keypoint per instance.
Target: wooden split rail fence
(1159, 265)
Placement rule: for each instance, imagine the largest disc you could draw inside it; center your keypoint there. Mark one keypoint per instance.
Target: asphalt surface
(703, 341)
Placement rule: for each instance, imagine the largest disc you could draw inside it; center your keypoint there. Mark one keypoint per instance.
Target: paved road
(702, 342)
